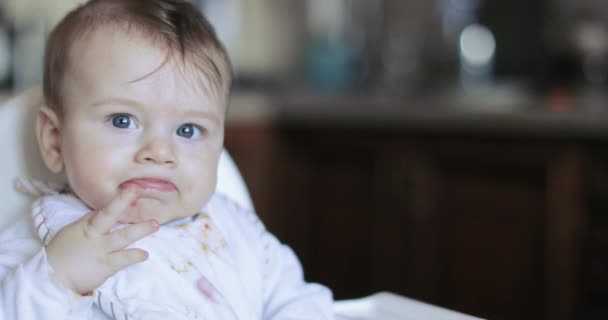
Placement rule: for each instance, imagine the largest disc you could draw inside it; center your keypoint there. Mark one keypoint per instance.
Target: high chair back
(20, 157)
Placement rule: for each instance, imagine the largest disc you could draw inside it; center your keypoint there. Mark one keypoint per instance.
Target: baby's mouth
(150, 184)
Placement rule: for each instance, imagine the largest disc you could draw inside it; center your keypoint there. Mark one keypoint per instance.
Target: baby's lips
(151, 184)
(131, 187)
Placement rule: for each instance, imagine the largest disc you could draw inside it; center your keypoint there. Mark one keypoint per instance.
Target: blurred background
(452, 151)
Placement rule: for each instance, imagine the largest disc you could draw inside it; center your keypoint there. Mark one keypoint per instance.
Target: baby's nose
(157, 150)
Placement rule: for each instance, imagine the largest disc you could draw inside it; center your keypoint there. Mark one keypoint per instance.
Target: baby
(135, 100)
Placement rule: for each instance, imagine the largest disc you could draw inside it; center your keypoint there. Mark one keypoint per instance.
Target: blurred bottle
(477, 48)
(226, 18)
(28, 52)
(30, 20)
(263, 38)
(475, 42)
(341, 39)
(578, 43)
(6, 54)
(591, 43)
(411, 48)
(328, 55)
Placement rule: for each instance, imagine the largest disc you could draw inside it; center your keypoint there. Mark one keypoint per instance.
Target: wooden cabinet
(594, 262)
(487, 225)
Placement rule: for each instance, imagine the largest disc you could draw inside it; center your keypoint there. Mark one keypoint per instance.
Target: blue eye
(189, 131)
(123, 121)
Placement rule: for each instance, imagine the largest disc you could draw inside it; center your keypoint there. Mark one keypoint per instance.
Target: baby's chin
(143, 210)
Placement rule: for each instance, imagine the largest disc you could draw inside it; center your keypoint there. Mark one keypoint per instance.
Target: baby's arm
(27, 290)
(29, 287)
(288, 296)
(285, 294)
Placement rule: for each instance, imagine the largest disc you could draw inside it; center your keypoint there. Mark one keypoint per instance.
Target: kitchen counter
(498, 115)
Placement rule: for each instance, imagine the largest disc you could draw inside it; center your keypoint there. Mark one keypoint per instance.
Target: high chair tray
(389, 306)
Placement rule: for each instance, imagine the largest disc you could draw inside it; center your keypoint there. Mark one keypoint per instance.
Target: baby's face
(128, 123)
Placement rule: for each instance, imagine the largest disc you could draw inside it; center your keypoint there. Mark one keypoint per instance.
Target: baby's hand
(86, 253)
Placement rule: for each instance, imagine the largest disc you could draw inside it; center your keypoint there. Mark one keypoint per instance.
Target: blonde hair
(177, 24)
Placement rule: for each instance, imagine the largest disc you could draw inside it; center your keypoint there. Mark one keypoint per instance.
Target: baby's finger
(104, 219)
(119, 239)
(124, 258)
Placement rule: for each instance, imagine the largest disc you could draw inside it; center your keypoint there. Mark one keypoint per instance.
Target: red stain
(207, 289)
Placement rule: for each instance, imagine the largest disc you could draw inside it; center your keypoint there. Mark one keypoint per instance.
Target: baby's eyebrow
(117, 101)
(202, 115)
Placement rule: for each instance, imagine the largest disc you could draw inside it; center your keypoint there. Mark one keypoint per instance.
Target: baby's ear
(48, 134)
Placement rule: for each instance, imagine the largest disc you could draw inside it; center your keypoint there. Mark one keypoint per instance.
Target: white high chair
(20, 158)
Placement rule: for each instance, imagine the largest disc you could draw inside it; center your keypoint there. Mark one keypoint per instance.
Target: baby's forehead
(112, 57)
(113, 44)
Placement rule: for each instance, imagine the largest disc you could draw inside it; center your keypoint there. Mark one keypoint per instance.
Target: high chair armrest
(390, 306)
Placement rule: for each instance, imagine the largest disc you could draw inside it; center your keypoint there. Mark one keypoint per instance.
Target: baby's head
(135, 96)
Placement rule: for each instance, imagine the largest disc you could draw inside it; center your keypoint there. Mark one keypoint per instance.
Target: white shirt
(252, 276)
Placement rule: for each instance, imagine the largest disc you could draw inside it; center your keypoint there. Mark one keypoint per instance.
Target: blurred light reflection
(477, 50)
